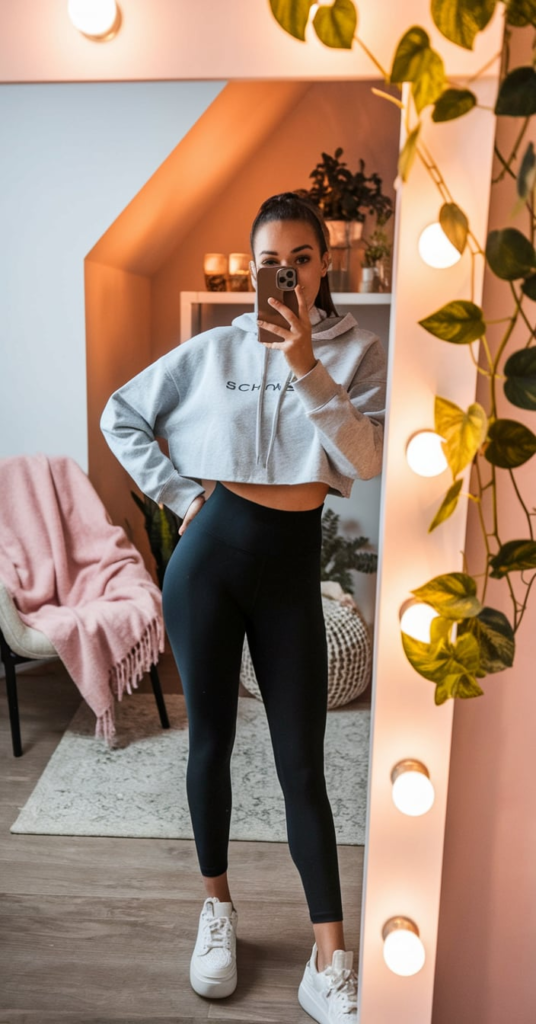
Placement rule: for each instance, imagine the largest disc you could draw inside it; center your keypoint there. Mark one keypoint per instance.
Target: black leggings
(244, 568)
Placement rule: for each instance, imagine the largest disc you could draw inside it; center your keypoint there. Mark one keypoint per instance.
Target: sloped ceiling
(151, 227)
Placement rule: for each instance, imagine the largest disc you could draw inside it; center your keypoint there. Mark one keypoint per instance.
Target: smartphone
(277, 283)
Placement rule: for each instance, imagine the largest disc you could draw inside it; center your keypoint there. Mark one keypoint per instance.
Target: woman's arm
(129, 423)
(350, 423)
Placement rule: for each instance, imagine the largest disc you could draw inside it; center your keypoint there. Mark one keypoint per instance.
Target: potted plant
(162, 527)
(340, 554)
(344, 197)
(376, 255)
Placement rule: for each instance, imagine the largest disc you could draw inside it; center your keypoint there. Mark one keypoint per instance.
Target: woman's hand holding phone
(191, 512)
(296, 339)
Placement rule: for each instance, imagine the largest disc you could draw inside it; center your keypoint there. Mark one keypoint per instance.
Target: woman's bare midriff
(292, 497)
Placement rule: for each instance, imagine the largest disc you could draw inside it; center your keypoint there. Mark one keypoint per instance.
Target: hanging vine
(468, 639)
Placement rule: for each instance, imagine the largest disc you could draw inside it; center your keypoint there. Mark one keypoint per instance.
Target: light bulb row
(412, 789)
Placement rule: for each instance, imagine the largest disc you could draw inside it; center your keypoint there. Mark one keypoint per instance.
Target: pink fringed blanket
(77, 578)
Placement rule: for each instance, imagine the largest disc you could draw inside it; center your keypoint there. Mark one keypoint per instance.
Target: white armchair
(20, 643)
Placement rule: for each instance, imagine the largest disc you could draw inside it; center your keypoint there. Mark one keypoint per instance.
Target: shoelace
(343, 984)
(219, 932)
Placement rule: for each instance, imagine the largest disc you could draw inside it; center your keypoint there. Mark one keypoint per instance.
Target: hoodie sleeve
(129, 423)
(349, 422)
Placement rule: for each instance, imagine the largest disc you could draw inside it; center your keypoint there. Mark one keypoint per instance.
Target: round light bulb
(403, 950)
(412, 792)
(435, 248)
(415, 619)
(424, 453)
(98, 19)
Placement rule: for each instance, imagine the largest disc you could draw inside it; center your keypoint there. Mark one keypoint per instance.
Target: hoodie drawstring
(259, 408)
(275, 417)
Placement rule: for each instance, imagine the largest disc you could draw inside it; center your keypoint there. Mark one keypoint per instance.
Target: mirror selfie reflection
(267, 423)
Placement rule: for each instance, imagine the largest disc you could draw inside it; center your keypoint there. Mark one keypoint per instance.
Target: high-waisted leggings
(242, 568)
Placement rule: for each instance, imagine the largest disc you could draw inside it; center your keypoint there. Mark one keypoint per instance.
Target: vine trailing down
(468, 639)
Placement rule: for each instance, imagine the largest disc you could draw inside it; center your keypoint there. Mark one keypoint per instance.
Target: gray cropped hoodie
(231, 409)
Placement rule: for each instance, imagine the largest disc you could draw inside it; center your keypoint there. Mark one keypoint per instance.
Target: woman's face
(291, 243)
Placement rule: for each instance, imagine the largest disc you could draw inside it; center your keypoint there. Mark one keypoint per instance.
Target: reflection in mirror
(289, 495)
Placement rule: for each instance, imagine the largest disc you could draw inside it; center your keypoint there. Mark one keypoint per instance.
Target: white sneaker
(330, 996)
(213, 964)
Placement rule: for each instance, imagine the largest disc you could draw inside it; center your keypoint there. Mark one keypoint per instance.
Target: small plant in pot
(376, 259)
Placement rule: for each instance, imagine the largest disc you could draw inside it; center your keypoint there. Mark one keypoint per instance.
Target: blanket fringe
(128, 672)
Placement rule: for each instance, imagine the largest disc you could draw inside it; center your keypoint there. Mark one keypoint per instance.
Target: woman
(276, 426)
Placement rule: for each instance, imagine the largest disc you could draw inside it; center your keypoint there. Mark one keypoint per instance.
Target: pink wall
(487, 930)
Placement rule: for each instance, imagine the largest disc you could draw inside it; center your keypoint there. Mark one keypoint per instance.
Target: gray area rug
(138, 788)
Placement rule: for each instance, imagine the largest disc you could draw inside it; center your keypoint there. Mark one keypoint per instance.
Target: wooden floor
(95, 931)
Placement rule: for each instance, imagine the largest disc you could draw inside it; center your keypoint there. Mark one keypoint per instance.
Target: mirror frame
(403, 856)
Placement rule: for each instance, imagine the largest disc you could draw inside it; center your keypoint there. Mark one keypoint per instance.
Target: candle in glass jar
(239, 271)
(215, 269)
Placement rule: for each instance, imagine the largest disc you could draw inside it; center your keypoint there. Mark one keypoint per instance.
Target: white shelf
(205, 298)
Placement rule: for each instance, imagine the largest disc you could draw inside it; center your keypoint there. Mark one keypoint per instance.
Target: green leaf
(292, 15)
(335, 26)
(459, 322)
(455, 225)
(452, 595)
(464, 432)
(457, 686)
(437, 662)
(495, 638)
(440, 630)
(407, 153)
(520, 383)
(521, 13)
(526, 178)
(517, 93)
(428, 85)
(514, 556)
(461, 20)
(453, 103)
(409, 56)
(529, 287)
(510, 444)
(447, 505)
(509, 254)
(452, 666)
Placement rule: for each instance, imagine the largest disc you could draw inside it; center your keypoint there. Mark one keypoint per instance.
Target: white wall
(73, 157)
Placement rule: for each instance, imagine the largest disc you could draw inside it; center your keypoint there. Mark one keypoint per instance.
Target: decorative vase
(343, 236)
(369, 279)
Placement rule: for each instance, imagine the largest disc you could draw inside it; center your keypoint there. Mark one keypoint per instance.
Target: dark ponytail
(295, 206)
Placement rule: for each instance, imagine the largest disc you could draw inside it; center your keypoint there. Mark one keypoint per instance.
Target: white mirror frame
(403, 859)
(403, 855)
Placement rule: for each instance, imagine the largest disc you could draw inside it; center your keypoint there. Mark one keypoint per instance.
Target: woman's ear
(326, 263)
(253, 274)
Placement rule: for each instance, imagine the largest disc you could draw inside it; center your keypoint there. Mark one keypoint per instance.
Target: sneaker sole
(213, 988)
(310, 1002)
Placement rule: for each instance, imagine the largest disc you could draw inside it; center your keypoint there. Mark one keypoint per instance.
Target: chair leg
(13, 704)
(159, 697)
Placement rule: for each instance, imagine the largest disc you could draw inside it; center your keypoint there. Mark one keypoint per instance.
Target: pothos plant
(484, 640)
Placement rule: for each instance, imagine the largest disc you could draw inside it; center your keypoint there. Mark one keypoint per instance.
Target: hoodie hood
(322, 328)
